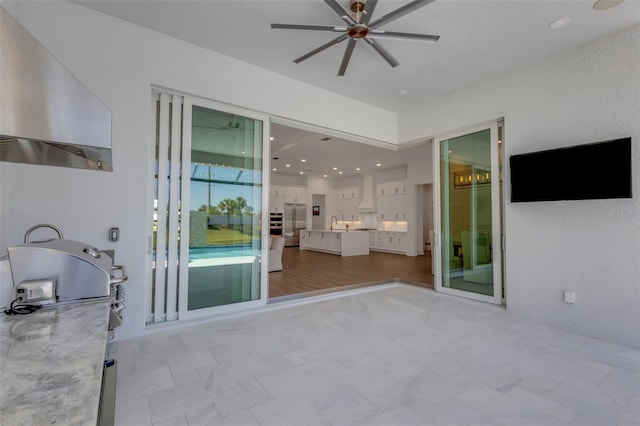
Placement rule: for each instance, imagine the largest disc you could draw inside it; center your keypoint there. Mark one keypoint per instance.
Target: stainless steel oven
(276, 223)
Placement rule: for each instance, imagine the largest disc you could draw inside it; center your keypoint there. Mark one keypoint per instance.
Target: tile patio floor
(394, 355)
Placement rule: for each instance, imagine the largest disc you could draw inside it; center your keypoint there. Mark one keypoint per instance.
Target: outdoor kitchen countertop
(51, 364)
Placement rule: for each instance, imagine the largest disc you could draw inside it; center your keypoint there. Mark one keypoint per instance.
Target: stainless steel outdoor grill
(59, 270)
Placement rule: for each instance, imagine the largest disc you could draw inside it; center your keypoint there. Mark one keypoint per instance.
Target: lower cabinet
(321, 241)
(388, 241)
(334, 242)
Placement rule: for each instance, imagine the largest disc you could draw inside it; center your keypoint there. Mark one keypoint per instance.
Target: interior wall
(591, 247)
(278, 179)
(427, 212)
(120, 63)
(317, 222)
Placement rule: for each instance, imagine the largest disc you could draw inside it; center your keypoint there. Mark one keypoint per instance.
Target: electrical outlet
(36, 291)
(569, 297)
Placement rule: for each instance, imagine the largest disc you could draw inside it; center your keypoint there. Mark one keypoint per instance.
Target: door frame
(496, 225)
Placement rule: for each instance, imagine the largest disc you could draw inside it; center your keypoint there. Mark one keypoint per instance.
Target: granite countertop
(51, 364)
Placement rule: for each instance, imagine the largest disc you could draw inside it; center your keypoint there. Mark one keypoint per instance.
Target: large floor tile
(401, 355)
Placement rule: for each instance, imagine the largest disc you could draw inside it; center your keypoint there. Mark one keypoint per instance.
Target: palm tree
(241, 203)
(228, 206)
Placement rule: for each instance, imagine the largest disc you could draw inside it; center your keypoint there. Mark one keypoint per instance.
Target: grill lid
(80, 271)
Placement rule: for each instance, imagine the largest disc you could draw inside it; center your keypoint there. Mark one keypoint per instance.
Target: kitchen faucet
(336, 218)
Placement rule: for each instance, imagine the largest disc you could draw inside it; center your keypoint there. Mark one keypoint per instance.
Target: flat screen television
(583, 172)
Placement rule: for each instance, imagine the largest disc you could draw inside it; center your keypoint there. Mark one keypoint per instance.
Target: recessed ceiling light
(339, 173)
(606, 4)
(303, 160)
(301, 173)
(559, 23)
(324, 175)
(287, 165)
(272, 138)
(357, 169)
(274, 169)
(378, 165)
(335, 168)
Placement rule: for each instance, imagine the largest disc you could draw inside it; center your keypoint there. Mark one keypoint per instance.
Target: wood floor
(307, 271)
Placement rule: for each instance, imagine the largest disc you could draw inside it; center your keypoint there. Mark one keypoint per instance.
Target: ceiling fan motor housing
(357, 6)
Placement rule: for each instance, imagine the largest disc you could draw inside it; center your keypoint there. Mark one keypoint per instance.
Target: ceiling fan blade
(347, 56)
(391, 35)
(321, 48)
(309, 27)
(369, 7)
(386, 55)
(341, 11)
(400, 12)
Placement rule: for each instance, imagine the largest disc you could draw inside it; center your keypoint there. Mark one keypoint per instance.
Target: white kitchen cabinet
(384, 208)
(395, 242)
(402, 242)
(391, 188)
(399, 210)
(276, 191)
(347, 193)
(295, 195)
(331, 241)
(346, 209)
(276, 204)
(336, 242)
(391, 199)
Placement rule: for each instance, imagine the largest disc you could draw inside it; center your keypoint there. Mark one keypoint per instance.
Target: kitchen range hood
(367, 204)
(47, 116)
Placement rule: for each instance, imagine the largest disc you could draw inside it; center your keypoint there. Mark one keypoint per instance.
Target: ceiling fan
(219, 126)
(360, 27)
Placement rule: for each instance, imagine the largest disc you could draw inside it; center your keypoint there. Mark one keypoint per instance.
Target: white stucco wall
(587, 95)
(119, 62)
(591, 247)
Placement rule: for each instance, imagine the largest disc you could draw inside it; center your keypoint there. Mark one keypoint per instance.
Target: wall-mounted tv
(584, 172)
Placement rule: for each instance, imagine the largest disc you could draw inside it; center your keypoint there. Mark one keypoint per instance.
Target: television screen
(583, 172)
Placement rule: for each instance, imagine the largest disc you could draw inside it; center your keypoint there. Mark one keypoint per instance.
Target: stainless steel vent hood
(47, 116)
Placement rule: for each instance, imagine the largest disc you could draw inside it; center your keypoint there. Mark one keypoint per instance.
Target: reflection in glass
(225, 208)
(466, 213)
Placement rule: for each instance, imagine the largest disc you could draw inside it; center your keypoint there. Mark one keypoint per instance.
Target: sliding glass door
(467, 216)
(207, 245)
(225, 203)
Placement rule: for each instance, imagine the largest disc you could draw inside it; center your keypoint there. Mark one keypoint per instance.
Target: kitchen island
(343, 243)
(51, 364)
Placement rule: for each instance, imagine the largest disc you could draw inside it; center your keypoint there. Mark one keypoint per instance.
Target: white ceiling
(335, 157)
(480, 40)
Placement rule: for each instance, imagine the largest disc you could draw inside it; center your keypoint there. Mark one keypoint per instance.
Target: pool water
(217, 252)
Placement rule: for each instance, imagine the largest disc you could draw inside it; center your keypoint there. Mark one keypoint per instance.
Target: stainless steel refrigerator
(295, 220)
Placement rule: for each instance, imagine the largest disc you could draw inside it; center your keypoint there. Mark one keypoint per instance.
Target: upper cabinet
(281, 194)
(348, 193)
(276, 199)
(391, 188)
(295, 195)
(346, 205)
(391, 199)
(276, 191)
